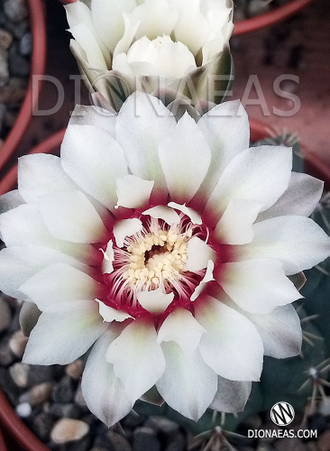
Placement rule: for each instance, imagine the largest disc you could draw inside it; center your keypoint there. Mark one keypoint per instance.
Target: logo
(282, 413)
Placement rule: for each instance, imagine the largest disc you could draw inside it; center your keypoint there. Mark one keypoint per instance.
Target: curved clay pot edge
(8, 417)
(38, 29)
(271, 18)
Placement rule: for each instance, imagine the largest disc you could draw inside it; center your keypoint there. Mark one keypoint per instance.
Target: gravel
(15, 62)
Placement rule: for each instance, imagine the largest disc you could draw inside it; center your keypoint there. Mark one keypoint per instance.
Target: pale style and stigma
(152, 44)
(167, 249)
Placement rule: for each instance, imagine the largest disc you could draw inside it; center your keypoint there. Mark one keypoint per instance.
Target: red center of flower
(153, 258)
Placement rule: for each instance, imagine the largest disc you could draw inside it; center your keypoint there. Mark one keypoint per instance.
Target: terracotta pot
(8, 418)
(270, 18)
(38, 60)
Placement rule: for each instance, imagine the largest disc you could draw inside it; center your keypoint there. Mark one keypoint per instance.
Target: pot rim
(271, 18)
(38, 63)
(8, 416)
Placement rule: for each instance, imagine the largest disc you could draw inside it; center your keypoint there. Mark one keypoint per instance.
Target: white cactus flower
(167, 248)
(152, 44)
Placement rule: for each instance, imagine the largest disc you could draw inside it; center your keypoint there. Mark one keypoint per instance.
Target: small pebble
(19, 66)
(64, 391)
(17, 343)
(38, 394)
(16, 10)
(12, 93)
(8, 386)
(69, 430)
(79, 398)
(19, 373)
(43, 424)
(118, 442)
(81, 445)
(145, 438)
(178, 443)
(6, 356)
(24, 410)
(65, 410)
(39, 374)
(5, 313)
(162, 424)
(75, 369)
(10, 117)
(6, 39)
(25, 44)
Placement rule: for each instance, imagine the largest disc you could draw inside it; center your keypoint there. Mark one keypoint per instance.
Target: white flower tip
(108, 254)
(110, 314)
(126, 228)
(155, 301)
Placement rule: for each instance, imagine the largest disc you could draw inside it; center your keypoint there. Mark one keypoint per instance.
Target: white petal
(71, 217)
(93, 115)
(165, 213)
(131, 24)
(157, 18)
(133, 192)
(173, 59)
(10, 200)
(19, 263)
(64, 332)
(59, 282)
(235, 225)
(192, 28)
(94, 160)
(87, 39)
(298, 242)
(185, 158)
(103, 392)
(110, 10)
(140, 123)
(42, 174)
(155, 301)
(232, 346)
(258, 285)
(23, 225)
(212, 48)
(280, 331)
(110, 314)
(125, 228)
(301, 197)
(227, 130)
(137, 359)
(199, 253)
(181, 327)
(187, 385)
(207, 278)
(109, 256)
(231, 396)
(192, 214)
(79, 13)
(259, 174)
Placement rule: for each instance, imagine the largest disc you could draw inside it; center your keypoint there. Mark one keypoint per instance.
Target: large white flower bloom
(167, 248)
(153, 44)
